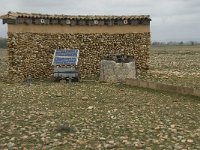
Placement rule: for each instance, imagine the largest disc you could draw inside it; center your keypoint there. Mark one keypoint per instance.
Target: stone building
(32, 39)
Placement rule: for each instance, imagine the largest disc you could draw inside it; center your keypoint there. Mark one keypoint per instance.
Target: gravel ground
(178, 65)
(92, 115)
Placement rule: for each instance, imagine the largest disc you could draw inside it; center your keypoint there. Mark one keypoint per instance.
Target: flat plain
(179, 65)
(93, 115)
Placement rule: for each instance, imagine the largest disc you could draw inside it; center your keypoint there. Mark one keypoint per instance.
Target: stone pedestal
(113, 72)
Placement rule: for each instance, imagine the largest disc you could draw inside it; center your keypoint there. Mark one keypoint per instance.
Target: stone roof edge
(15, 15)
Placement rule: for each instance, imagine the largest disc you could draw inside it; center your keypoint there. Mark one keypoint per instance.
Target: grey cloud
(171, 19)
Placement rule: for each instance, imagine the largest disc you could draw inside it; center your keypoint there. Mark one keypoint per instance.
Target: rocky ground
(178, 65)
(92, 115)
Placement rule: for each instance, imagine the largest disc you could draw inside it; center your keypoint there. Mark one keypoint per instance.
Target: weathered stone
(102, 139)
(34, 56)
(10, 145)
(90, 107)
(85, 98)
(190, 141)
(110, 71)
(59, 94)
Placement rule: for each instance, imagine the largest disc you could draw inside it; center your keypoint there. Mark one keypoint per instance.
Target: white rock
(85, 130)
(10, 144)
(148, 148)
(102, 138)
(84, 98)
(173, 126)
(25, 137)
(43, 135)
(43, 139)
(124, 137)
(111, 142)
(59, 95)
(174, 130)
(139, 145)
(58, 134)
(125, 141)
(190, 141)
(157, 128)
(115, 110)
(183, 141)
(52, 123)
(55, 140)
(90, 107)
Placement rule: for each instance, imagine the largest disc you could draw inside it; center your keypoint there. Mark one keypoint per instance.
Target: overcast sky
(172, 20)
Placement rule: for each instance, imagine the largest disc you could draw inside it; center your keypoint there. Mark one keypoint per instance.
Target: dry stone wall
(32, 53)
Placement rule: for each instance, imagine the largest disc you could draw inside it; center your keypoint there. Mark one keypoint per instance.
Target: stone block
(153, 85)
(144, 84)
(113, 72)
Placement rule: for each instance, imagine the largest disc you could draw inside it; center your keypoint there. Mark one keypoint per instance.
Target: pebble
(124, 138)
(84, 98)
(58, 95)
(58, 134)
(25, 137)
(22, 129)
(125, 141)
(190, 141)
(180, 137)
(183, 141)
(99, 146)
(43, 139)
(109, 146)
(55, 140)
(173, 126)
(157, 128)
(111, 142)
(177, 147)
(12, 139)
(139, 145)
(43, 135)
(47, 122)
(115, 110)
(162, 146)
(33, 135)
(85, 130)
(174, 130)
(90, 107)
(52, 123)
(10, 145)
(165, 137)
(102, 138)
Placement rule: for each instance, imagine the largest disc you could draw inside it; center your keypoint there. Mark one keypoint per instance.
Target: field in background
(178, 65)
(91, 115)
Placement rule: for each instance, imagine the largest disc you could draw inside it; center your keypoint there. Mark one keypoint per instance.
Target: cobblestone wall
(32, 53)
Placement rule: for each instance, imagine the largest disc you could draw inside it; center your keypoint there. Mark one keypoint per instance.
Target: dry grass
(178, 65)
(90, 115)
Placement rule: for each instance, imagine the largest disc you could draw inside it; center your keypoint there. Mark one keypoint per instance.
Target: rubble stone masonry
(32, 53)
